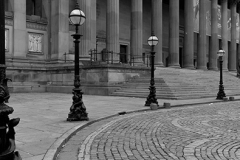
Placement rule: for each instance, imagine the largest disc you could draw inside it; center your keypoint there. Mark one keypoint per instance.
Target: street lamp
(7, 132)
(221, 93)
(152, 41)
(78, 109)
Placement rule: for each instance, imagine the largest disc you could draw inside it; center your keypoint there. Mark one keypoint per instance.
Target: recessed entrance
(123, 53)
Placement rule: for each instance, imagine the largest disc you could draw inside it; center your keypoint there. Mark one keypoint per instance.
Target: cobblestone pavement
(203, 132)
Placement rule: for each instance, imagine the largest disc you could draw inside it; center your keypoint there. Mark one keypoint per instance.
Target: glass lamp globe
(152, 41)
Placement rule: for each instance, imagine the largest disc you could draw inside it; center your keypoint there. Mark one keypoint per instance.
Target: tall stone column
(113, 28)
(85, 30)
(174, 33)
(59, 28)
(233, 49)
(224, 32)
(188, 53)
(238, 51)
(201, 54)
(214, 36)
(93, 23)
(157, 27)
(136, 31)
(19, 27)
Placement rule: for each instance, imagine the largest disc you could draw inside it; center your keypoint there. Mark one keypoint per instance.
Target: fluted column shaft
(157, 27)
(19, 27)
(232, 54)
(201, 54)
(136, 30)
(93, 23)
(174, 33)
(113, 27)
(188, 53)
(59, 28)
(2, 37)
(224, 33)
(214, 36)
(85, 29)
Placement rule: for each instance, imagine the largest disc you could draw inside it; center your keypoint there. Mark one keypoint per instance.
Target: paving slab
(43, 127)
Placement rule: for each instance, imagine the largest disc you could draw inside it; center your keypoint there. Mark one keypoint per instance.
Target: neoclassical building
(40, 49)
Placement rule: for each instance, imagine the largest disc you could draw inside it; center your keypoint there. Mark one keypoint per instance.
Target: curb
(53, 151)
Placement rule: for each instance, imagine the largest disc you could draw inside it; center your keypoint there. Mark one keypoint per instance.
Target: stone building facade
(40, 49)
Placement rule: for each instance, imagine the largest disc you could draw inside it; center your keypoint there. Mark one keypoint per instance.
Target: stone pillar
(157, 27)
(93, 24)
(19, 29)
(201, 54)
(224, 33)
(188, 53)
(232, 54)
(47, 9)
(113, 28)
(136, 31)
(238, 51)
(85, 30)
(174, 33)
(59, 28)
(214, 36)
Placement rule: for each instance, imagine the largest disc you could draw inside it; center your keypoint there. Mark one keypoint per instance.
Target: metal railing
(110, 57)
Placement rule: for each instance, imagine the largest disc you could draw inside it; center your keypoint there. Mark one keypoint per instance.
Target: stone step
(181, 84)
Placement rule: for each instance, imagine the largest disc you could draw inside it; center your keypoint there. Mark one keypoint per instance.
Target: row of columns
(188, 54)
(229, 59)
(60, 32)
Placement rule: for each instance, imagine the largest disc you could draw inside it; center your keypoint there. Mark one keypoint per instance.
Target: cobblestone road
(204, 132)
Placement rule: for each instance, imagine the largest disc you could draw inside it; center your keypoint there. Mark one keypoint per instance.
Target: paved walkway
(203, 132)
(43, 126)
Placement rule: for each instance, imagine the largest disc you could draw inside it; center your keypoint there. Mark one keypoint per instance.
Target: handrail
(111, 57)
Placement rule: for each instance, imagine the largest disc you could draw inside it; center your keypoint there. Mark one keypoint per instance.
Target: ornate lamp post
(7, 133)
(221, 93)
(152, 41)
(78, 109)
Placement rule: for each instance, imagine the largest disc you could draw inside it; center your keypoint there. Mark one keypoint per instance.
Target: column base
(232, 70)
(174, 66)
(159, 64)
(202, 67)
(224, 69)
(213, 69)
(189, 67)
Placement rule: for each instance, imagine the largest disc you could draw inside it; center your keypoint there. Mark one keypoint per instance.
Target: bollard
(154, 106)
(225, 99)
(166, 105)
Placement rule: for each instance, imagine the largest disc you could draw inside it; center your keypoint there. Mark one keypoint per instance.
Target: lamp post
(221, 93)
(7, 132)
(78, 109)
(152, 41)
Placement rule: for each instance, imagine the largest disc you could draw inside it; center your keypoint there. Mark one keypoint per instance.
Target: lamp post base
(152, 96)
(221, 94)
(78, 109)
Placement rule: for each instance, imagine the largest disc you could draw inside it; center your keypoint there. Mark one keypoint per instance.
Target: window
(34, 7)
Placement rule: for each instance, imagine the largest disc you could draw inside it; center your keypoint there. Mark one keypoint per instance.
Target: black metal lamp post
(7, 132)
(152, 41)
(221, 93)
(78, 109)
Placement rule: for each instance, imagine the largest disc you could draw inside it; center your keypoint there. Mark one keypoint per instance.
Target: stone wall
(40, 76)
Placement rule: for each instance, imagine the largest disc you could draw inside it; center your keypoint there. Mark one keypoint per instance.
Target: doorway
(123, 53)
(181, 57)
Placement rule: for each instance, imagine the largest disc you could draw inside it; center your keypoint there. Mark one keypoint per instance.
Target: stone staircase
(174, 83)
